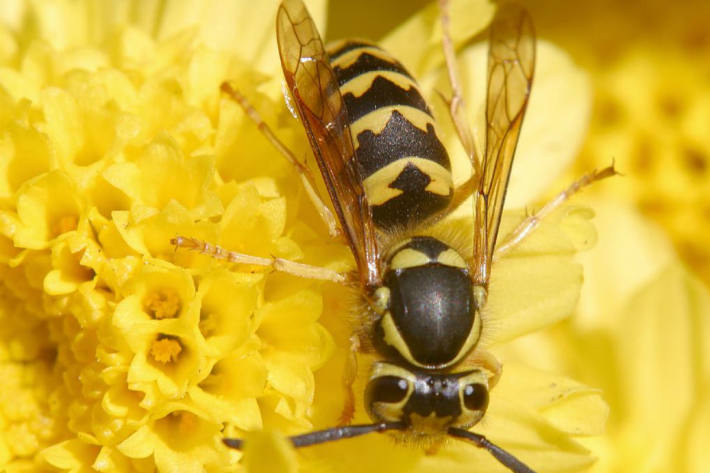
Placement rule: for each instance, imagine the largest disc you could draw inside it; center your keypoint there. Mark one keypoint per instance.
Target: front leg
(485, 359)
(349, 377)
(278, 264)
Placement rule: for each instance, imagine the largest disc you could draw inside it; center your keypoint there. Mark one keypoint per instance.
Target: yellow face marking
(451, 257)
(349, 58)
(409, 258)
(392, 411)
(470, 417)
(377, 185)
(376, 120)
(430, 424)
(389, 411)
(358, 85)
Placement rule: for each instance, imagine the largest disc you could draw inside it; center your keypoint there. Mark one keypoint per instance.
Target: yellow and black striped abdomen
(405, 168)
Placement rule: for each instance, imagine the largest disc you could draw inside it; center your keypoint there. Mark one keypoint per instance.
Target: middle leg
(457, 104)
(529, 224)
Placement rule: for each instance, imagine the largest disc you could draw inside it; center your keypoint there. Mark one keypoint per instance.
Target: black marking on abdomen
(399, 139)
(414, 205)
(384, 136)
(383, 93)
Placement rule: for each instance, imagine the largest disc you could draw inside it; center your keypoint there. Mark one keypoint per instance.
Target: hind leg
(304, 173)
(349, 376)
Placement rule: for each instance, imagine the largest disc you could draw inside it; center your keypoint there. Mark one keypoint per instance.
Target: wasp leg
(529, 224)
(486, 360)
(461, 193)
(278, 264)
(456, 104)
(349, 376)
(304, 173)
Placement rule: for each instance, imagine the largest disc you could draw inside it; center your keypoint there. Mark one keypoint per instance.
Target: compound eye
(389, 389)
(475, 397)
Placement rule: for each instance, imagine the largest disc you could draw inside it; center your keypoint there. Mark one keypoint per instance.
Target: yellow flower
(181, 440)
(121, 354)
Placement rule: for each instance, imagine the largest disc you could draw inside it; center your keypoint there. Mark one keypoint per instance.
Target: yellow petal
(266, 452)
(538, 283)
(44, 203)
(70, 455)
(417, 42)
(138, 445)
(567, 405)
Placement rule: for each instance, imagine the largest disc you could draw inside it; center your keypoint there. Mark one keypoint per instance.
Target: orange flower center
(166, 349)
(162, 304)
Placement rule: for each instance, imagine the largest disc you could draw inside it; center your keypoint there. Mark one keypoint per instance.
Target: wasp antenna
(506, 459)
(339, 433)
(329, 435)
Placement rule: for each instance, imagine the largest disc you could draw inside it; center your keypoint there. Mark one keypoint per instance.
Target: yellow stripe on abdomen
(377, 186)
(363, 82)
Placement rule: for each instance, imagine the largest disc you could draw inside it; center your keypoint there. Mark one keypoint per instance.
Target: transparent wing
(315, 91)
(511, 62)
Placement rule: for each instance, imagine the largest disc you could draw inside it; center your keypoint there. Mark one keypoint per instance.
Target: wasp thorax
(425, 401)
(430, 318)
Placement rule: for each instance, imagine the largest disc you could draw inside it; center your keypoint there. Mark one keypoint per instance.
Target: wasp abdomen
(405, 168)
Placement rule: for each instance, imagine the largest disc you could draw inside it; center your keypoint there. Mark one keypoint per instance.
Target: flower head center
(162, 304)
(166, 349)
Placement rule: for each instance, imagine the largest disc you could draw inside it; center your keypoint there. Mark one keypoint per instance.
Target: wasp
(389, 179)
